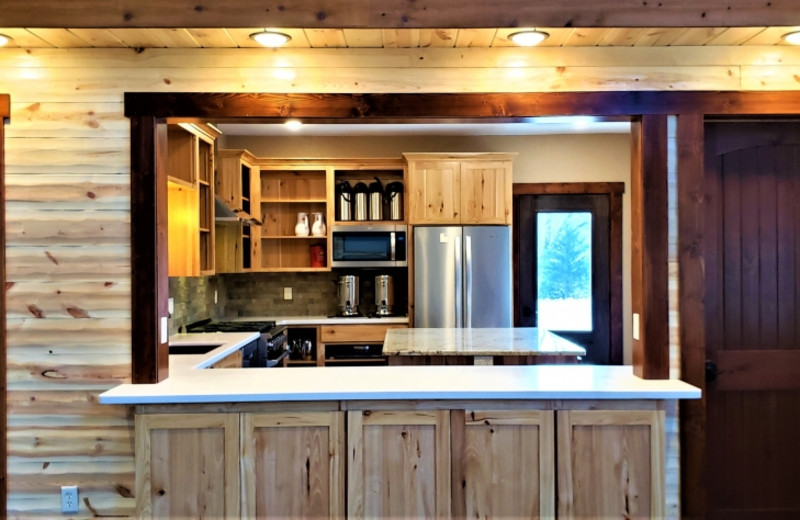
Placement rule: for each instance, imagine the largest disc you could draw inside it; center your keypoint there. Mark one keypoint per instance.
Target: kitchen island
(403, 441)
(482, 346)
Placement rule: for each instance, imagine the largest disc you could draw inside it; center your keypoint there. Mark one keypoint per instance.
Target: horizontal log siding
(68, 167)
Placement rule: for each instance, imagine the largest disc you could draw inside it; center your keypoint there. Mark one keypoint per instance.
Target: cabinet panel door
(486, 192)
(187, 465)
(610, 464)
(292, 466)
(399, 464)
(503, 462)
(434, 192)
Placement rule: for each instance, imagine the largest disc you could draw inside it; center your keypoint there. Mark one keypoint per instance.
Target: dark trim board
(408, 15)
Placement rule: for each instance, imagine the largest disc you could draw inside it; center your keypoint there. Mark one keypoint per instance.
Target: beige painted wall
(542, 158)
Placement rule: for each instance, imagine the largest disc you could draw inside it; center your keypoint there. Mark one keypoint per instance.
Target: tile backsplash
(261, 294)
(193, 299)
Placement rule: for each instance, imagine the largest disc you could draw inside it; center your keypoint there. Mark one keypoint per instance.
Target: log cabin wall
(68, 210)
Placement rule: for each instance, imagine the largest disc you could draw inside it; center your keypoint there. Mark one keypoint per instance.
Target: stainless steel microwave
(370, 245)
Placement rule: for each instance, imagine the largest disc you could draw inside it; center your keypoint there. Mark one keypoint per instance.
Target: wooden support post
(149, 278)
(649, 247)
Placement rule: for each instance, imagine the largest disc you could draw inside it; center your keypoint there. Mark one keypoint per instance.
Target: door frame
(614, 192)
(647, 109)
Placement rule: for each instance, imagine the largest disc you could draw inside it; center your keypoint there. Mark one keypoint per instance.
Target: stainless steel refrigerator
(462, 276)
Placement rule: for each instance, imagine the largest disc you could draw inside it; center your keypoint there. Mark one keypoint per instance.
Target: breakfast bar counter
(398, 441)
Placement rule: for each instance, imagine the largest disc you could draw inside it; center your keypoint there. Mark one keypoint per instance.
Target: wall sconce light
(271, 38)
(528, 38)
(792, 38)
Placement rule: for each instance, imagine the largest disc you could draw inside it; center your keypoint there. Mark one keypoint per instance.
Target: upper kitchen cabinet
(190, 199)
(382, 181)
(296, 212)
(459, 188)
(239, 217)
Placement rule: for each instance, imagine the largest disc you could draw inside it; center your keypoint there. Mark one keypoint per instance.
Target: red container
(317, 254)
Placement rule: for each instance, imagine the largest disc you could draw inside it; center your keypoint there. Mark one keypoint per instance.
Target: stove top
(231, 326)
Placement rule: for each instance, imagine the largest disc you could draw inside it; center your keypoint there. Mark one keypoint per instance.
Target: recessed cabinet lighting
(528, 38)
(792, 38)
(271, 38)
(4, 40)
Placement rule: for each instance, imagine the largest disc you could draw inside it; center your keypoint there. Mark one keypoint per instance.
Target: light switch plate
(170, 306)
(636, 326)
(287, 293)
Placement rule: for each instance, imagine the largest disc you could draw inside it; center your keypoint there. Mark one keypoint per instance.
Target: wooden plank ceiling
(393, 38)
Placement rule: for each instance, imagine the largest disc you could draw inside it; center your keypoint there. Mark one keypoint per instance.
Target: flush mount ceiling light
(270, 38)
(528, 38)
(4, 40)
(792, 38)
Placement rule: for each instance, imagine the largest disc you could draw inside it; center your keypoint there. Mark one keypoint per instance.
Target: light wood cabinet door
(486, 192)
(357, 333)
(292, 465)
(610, 464)
(187, 465)
(503, 462)
(434, 192)
(398, 464)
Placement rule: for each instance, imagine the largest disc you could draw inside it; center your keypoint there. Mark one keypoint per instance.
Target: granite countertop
(521, 341)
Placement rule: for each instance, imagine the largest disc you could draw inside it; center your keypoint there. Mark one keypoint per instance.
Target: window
(568, 265)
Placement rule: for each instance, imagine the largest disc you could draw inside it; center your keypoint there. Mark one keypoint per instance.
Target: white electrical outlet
(170, 306)
(69, 499)
(287, 293)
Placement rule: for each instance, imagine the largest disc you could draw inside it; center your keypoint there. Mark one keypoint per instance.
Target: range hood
(225, 215)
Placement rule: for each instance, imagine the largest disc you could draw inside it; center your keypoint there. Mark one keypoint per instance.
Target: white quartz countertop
(521, 341)
(188, 383)
(226, 344)
(324, 320)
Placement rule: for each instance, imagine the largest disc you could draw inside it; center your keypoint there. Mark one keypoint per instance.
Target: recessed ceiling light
(792, 38)
(4, 40)
(293, 124)
(528, 38)
(270, 38)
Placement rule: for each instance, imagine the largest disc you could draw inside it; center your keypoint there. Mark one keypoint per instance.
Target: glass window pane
(564, 270)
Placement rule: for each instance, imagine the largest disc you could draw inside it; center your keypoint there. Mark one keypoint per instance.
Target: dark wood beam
(649, 289)
(384, 108)
(692, 240)
(397, 13)
(5, 112)
(149, 276)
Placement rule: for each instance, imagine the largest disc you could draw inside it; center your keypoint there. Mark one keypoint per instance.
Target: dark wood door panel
(753, 313)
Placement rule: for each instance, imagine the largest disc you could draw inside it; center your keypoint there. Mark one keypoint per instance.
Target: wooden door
(486, 192)
(753, 320)
(610, 464)
(398, 464)
(434, 192)
(504, 462)
(292, 465)
(187, 465)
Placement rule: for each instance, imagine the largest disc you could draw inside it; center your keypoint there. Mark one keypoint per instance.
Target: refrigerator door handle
(468, 280)
(459, 284)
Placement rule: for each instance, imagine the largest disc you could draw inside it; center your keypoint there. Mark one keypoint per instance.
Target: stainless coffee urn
(384, 295)
(348, 295)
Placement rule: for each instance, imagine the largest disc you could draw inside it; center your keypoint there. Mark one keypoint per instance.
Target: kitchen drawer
(356, 333)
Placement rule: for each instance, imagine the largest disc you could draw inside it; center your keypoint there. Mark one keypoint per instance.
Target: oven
(268, 350)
